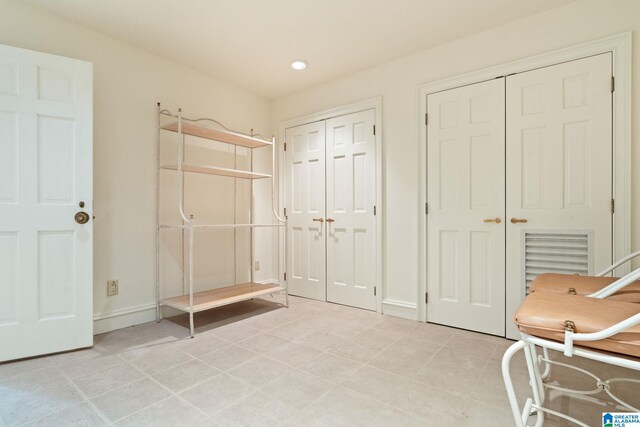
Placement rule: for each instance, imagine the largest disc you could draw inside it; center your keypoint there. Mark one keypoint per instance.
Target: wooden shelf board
(229, 137)
(213, 298)
(213, 170)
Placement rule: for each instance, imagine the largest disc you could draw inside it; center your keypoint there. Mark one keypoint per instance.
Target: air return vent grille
(564, 252)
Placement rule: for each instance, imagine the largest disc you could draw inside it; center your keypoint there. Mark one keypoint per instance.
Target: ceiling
(251, 43)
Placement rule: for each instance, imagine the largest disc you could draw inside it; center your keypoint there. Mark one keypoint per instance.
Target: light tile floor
(257, 363)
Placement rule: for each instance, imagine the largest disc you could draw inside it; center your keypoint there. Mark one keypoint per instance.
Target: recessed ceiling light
(299, 64)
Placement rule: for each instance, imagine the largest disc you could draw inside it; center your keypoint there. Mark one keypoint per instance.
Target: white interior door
(559, 172)
(350, 226)
(305, 201)
(46, 272)
(466, 229)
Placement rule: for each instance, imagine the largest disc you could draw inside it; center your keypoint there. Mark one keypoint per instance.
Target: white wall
(127, 84)
(396, 82)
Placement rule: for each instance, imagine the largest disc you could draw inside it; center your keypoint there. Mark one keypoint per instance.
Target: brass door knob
(321, 220)
(517, 220)
(81, 217)
(330, 220)
(496, 220)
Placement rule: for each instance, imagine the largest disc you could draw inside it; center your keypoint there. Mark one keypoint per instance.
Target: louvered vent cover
(565, 252)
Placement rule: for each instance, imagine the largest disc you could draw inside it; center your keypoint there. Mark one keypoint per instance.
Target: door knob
(321, 220)
(517, 220)
(330, 220)
(496, 220)
(81, 217)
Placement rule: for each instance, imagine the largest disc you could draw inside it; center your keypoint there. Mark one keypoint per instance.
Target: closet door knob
(320, 220)
(517, 220)
(496, 220)
(330, 220)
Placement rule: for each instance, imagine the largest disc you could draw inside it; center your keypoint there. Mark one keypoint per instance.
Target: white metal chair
(617, 342)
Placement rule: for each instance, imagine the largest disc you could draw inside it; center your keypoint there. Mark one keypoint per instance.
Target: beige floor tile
(380, 385)
(309, 357)
(479, 348)
(82, 414)
(260, 371)
(107, 379)
(130, 398)
(344, 407)
(87, 364)
(457, 359)
(169, 412)
(32, 381)
(256, 409)
(389, 417)
(228, 357)
(426, 402)
(162, 360)
(263, 343)
(297, 388)
(330, 367)
(216, 393)
(395, 325)
(201, 344)
(294, 354)
(20, 407)
(436, 334)
(186, 375)
(296, 329)
(237, 332)
(11, 369)
(477, 414)
(439, 376)
(323, 341)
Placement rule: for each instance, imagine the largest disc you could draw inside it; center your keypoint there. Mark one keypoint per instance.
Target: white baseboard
(123, 318)
(400, 309)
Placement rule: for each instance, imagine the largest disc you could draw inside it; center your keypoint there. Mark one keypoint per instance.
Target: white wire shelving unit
(189, 301)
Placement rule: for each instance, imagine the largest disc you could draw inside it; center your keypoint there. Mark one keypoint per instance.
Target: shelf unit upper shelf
(229, 137)
(221, 296)
(214, 170)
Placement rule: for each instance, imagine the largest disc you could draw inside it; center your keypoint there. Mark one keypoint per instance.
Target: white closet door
(351, 237)
(559, 175)
(305, 201)
(466, 253)
(46, 257)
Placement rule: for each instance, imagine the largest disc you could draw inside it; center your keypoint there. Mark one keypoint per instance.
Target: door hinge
(374, 291)
(613, 206)
(374, 210)
(613, 84)
(374, 129)
(285, 211)
(285, 276)
(426, 297)
(285, 146)
(426, 119)
(426, 208)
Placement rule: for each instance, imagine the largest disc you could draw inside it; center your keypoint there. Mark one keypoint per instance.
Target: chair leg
(508, 383)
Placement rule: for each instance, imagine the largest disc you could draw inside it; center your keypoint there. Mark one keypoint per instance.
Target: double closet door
(330, 204)
(519, 184)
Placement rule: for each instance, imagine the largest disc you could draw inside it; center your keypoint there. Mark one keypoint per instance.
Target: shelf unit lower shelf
(213, 170)
(219, 297)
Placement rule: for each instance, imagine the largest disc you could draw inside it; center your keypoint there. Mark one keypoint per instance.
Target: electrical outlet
(112, 288)
(256, 265)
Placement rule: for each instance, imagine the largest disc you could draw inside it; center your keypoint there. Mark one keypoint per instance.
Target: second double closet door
(330, 199)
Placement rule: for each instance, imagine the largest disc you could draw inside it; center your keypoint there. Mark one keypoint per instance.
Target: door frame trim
(356, 107)
(620, 47)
